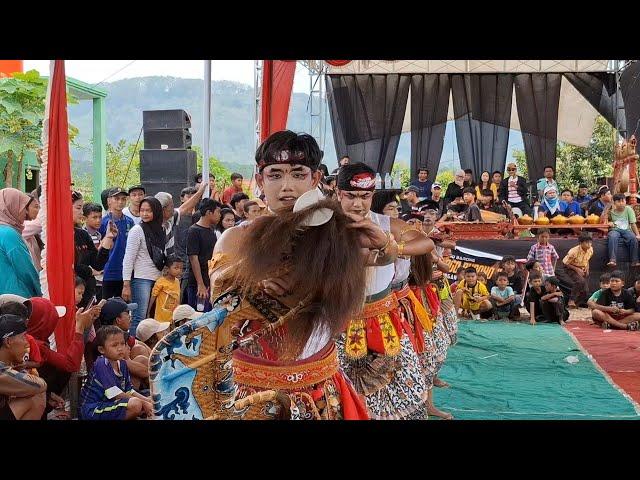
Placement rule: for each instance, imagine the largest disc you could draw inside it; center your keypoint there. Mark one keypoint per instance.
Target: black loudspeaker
(155, 139)
(167, 171)
(165, 120)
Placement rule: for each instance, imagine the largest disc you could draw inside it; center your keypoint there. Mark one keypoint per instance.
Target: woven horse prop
(624, 169)
(190, 369)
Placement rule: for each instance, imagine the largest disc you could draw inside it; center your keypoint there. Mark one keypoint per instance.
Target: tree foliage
(576, 165)
(22, 105)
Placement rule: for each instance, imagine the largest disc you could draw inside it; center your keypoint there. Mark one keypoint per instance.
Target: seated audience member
(453, 195)
(597, 204)
(56, 367)
(534, 266)
(436, 202)
(535, 293)
(468, 178)
(485, 183)
(502, 297)
(546, 181)
(251, 210)
(412, 199)
(496, 178)
(151, 331)
(544, 252)
(487, 203)
(516, 282)
(622, 220)
(22, 393)
(472, 212)
(552, 302)
(576, 266)
(605, 280)
(472, 297)
(482, 277)
(108, 393)
(573, 207)
(182, 314)
(616, 306)
(116, 312)
(551, 205)
(513, 190)
(635, 291)
(459, 279)
(583, 197)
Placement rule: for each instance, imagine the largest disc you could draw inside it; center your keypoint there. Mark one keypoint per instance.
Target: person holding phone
(88, 258)
(115, 221)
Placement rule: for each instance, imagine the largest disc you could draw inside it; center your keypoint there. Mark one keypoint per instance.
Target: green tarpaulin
(509, 371)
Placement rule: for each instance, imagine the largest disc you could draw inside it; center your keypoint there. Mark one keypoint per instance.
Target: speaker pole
(206, 124)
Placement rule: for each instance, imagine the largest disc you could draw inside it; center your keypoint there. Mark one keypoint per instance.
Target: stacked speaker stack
(167, 163)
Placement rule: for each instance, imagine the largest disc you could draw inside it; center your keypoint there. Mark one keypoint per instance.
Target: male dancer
(378, 350)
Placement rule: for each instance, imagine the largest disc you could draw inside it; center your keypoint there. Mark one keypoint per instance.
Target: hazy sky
(96, 71)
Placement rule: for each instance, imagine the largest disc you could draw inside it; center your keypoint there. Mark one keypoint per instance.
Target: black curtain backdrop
(630, 86)
(429, 106)
(599, 89)
(482, 110)
(367, 112)
(537, 99)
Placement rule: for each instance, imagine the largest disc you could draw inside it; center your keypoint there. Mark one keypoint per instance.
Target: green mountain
(233, 138)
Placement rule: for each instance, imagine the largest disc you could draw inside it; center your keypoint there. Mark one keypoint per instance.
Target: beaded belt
(286, 377)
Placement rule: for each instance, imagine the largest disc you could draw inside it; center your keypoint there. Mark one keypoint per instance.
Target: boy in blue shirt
(108, 394)
(112, 275)
(502, 297)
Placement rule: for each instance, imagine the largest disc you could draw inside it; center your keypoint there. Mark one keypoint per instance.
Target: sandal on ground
(633, 326)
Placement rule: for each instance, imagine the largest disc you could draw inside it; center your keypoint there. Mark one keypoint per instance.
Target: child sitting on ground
(516, 282)
(533, 300)
(616, 306)
(534, 266)
(108, 393)
(552, 303)
(472, 297)
(116, 312)
(576, 266)
(166, 291)
(544, 252)
(502, 297)
(635, 291)
(459, 278)
(482, 277)
(604, 284)
(151, 331)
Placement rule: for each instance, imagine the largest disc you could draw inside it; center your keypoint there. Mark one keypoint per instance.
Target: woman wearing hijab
(56, 367)
(552, 205)
(144, 258)
(19, 275)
